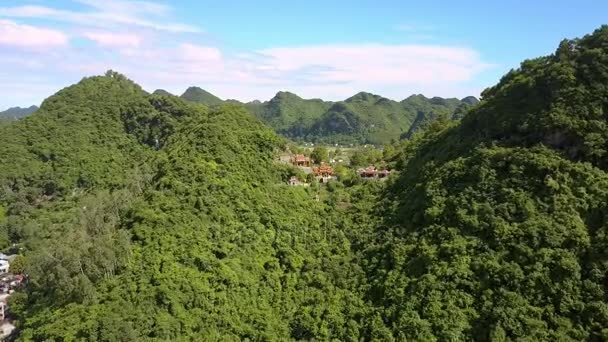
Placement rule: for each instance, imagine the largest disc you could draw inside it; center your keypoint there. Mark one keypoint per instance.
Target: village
(10, 281)
(328, 165)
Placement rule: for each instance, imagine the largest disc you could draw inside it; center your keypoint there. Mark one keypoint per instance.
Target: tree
(19, 264)
(319, 154)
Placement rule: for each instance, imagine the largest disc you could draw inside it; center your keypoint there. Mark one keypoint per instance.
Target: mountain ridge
(364, 118)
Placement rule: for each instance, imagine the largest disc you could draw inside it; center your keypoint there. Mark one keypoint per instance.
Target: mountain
(288, 114)
(15, 113)
(429, 110)
(148, 217)
(470, 100)
(496, 227)
(196, 94)
(161, 92)
(362, 118)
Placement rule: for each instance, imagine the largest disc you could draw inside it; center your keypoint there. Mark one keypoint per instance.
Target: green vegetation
(198, 95)
(16, 113)
(497, 227)
(146, 217)
(319, 154)
(289, 114)
(361, 119)
(162, 92)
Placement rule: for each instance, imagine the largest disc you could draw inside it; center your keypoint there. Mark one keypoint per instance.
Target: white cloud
(332, 72)
(106, 14)
(329, 71)
(110, 39)
(19, 35)
(199, 54)
(378, 64)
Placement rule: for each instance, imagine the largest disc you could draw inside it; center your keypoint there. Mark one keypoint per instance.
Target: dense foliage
(143, 216)
(15, 113)
(146, 217)
(196, 94)
(361, 119)
(496, 228)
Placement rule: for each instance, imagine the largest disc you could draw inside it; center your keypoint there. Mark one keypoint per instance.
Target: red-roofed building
(323, 170)
(300, 160)
(383, 173)
(368, 172)
(371, 172)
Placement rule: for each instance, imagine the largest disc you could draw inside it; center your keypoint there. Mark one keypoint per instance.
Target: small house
(4, 266)
(300, 160)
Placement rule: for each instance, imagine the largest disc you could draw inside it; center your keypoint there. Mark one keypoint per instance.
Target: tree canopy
(146, 217)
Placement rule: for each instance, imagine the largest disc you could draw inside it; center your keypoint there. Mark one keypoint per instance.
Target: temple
(300, 160)
(371, 172)
(323, 170)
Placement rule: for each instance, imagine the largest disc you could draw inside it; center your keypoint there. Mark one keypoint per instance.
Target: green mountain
(16, 113)
(149, 217)
(288, 114)
(496, 228)
(161, 92)
(362, 118)
(470, 100)
(196, 94)
(146, 217)
(430, 110)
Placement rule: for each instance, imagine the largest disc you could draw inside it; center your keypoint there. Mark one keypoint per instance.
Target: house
(324, 173)
(384, 173)
(300, 160)
(294, 181)
(368, 172)
(4, 265)
(371, 172)
(323, 170)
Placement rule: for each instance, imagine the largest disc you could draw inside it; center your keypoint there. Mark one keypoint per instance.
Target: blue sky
(252, 49)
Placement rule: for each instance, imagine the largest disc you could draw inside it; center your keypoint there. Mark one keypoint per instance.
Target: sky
(250, 50)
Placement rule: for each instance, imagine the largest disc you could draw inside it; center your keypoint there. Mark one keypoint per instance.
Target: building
(323, 170)
(383, 173)
(4, 265)
(300, 160)
(371, 172)
(368, 172)
(324, 173)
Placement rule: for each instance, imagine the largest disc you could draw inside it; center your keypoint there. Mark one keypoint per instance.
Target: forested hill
(161, 92)
(148, 217)
(362, 118)
(196, 94)
(497, 227)
(15, 113)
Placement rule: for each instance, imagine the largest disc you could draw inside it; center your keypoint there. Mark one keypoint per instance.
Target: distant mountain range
(16, 113)
(362, 118)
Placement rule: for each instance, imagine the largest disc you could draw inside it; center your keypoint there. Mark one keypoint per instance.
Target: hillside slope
(198, 95)
(15, 113)
(496, 229)
(360, 119)
(288, 114)
(147, 217)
